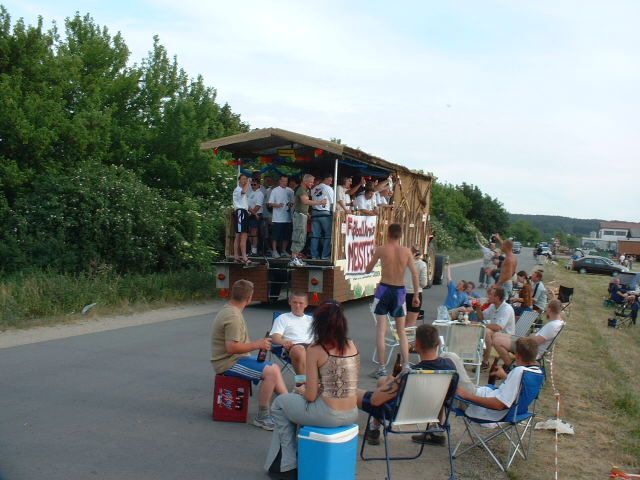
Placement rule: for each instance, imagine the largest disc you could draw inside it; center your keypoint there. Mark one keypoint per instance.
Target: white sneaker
(265, 422)
(275, 254)
(296, 262)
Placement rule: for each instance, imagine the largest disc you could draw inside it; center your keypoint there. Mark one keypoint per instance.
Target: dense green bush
(100, 160)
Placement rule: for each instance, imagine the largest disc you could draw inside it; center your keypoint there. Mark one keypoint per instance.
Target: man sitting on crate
(231, 347)
(383, 398)
(506, 344)
(293, 331)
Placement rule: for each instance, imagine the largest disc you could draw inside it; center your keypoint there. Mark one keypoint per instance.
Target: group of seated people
(276, 216)
(529, 293)
(319, 346)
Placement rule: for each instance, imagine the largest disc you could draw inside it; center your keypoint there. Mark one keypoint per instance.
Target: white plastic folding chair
(424, 398)
(391, 340)
(543, 354)
(525, 323)
(467, 341)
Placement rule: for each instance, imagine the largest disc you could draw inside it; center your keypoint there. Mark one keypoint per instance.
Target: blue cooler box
(327, 453)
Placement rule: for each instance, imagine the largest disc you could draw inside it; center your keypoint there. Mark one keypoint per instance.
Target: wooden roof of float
(257, 141)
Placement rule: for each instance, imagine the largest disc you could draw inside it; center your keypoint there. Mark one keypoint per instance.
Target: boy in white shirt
(293, 331)
(493, 404)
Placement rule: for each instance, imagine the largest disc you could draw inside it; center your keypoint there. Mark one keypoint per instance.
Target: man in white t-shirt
(256, 200)
(293, 331)
(265, 225)
(241, 209)
(344, 192)
(487, 258)
(366, 203)
(500, 317)
(505, 344)
(493, 404)
(322, 219)
(280, 202)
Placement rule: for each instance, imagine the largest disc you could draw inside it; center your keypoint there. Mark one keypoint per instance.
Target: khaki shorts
(299, 235)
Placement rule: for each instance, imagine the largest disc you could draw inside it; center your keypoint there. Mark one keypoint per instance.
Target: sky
(535, 102)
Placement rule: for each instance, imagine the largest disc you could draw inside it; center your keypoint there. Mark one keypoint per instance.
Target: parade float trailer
(273, 151)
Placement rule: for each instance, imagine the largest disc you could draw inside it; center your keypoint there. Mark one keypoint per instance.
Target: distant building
(609, 234)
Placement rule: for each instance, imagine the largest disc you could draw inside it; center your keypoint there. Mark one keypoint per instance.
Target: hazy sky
(535, 102)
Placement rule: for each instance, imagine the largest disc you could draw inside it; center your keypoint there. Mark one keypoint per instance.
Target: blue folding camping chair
(515, 425)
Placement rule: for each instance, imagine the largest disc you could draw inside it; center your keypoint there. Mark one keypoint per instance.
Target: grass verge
(596, 373)
(41, 297)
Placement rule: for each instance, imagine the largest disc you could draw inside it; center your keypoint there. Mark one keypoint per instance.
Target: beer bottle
(492, 376)
(397, 367)
(262, 353)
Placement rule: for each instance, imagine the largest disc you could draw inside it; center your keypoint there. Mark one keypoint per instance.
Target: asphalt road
(135, 403)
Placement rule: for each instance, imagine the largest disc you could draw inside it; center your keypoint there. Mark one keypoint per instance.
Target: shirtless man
(508, 268)
(390, 294)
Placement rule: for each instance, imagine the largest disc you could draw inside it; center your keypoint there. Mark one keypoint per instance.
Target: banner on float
(360, 242)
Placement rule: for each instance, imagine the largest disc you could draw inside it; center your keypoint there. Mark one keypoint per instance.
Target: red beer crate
(230, 399)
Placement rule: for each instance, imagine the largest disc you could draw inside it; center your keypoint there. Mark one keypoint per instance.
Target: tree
(524, 232)
(485, 212)
(73, 109)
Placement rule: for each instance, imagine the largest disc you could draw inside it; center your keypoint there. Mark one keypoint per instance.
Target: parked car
(593, 264)
(517, 246)
(544, 251)
(542, 248)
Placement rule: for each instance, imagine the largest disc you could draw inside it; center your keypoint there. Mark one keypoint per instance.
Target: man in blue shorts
(241, 207)
(389, 298)
(231, 346)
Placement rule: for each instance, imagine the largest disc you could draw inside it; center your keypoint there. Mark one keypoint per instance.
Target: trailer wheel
(438, 274)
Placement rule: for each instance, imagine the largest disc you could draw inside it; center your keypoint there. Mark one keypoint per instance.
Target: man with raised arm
(390, 294)
(509, 266)
(456, 295)
(487, 257)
